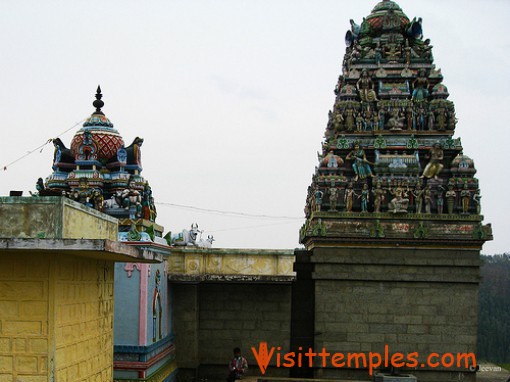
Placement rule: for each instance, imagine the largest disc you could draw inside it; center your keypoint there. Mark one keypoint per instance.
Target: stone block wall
(186, 312)
(412, 300)
(211, 319)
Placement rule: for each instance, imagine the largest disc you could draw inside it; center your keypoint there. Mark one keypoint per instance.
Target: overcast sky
(232, 98)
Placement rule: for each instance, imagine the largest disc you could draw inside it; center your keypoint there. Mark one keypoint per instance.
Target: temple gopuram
(393, 225)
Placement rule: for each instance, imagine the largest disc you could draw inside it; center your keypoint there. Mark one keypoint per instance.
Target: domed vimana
(100, 172)
(393, 228)
(107, 140)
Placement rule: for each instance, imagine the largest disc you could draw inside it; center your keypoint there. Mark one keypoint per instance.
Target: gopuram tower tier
(390, 168)
(393, 227)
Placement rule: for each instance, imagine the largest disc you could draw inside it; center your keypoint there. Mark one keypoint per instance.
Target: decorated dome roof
(387, 15)
(440, 90)
(97, 120)
(97, 139)
(386, 6)
(348, 91)
(462, 161)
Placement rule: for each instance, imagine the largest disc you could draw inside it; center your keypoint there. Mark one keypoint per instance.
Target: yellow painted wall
(221, 261)
(83, 320)
(80, 222)
(56, 318)
(24, 309)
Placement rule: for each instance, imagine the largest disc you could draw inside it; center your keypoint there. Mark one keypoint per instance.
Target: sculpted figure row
(350, 117)
(362, 169)
(422, 199)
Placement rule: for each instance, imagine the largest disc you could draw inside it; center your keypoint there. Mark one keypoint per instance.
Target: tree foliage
(494, 309)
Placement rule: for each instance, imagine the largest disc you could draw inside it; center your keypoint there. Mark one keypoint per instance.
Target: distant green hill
(494, 309)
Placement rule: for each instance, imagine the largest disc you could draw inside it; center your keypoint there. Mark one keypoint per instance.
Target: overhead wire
(288, 219)
(250, 227)
(231, 213)
(41, 147)
(182, 206)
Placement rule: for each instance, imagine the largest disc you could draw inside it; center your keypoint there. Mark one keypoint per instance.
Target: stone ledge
(397, 277)
(100, 249)
(184, 278)
(233, 251)
(396, 216)
(276, 379)
(406, 229)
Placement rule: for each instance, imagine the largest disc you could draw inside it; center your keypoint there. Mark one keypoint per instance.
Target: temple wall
(127, 310)
(224, 298)
(144, 347)
(24, 318)
(413, 300)
(56, 315)
(83, 319)
(186, 325)
(211, 319)
(56, 293)
(219, 261)
(82, 222)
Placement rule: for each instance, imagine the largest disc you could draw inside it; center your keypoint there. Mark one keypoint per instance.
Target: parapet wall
(53, 217)
(215, 264)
